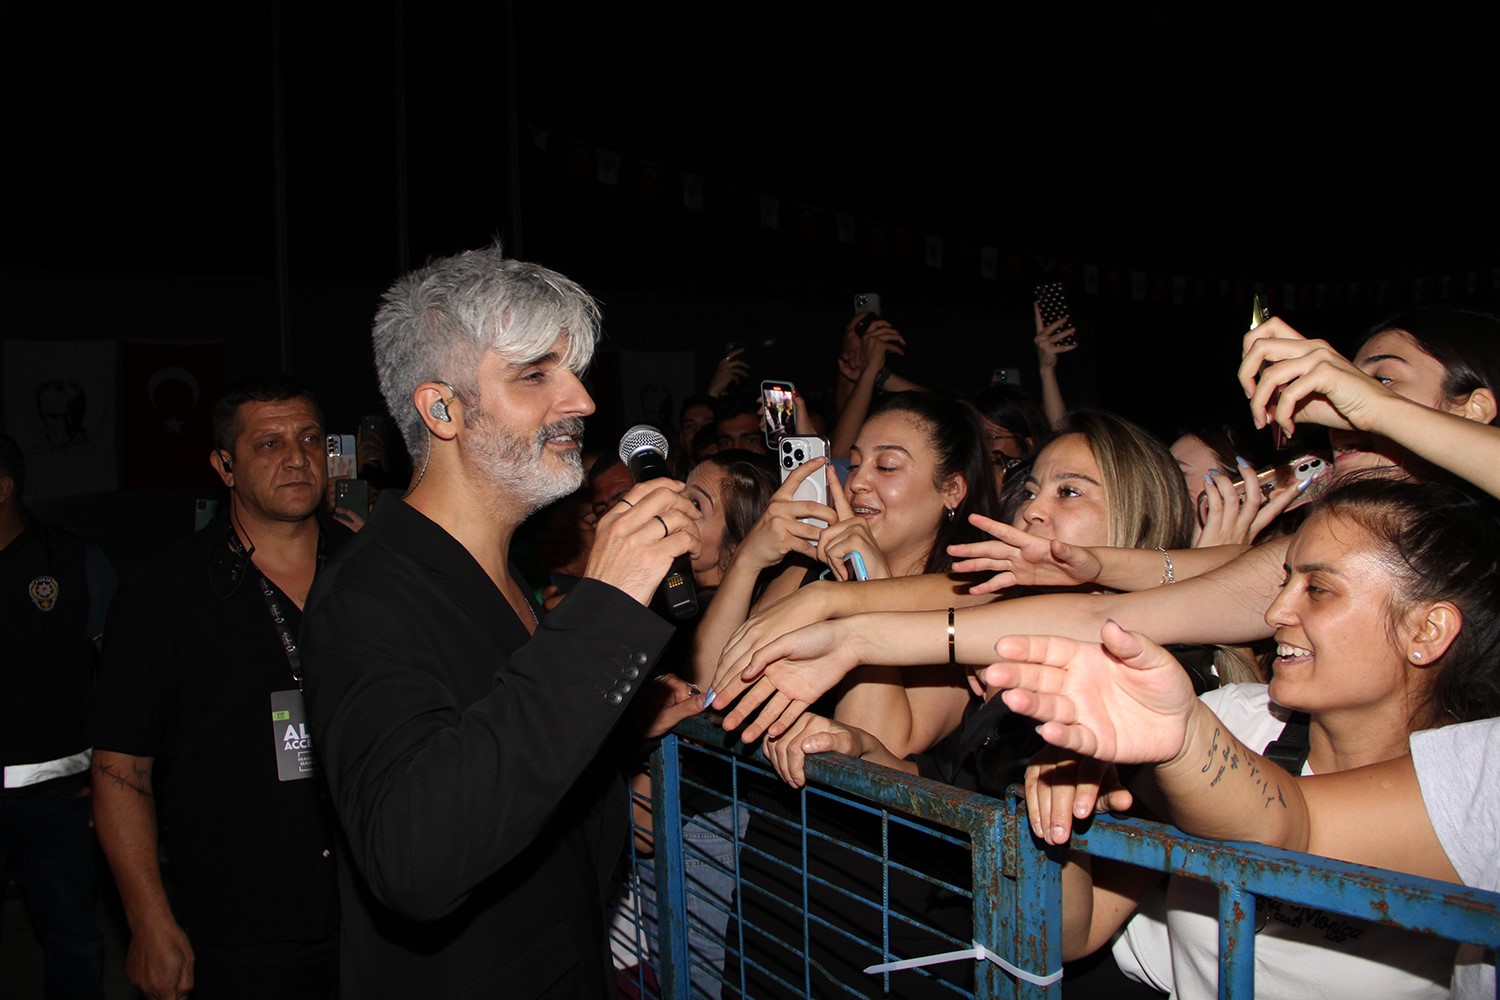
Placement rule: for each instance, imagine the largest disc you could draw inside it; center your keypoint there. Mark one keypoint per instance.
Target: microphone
(644, 450)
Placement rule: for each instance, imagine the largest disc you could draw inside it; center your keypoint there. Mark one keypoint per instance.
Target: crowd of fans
(1330, 613)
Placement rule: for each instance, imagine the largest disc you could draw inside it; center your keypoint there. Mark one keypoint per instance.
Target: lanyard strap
(273, 603)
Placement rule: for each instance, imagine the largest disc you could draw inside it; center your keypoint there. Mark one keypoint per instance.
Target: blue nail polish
(1208, 479)
(708, 698)
(1304, 485)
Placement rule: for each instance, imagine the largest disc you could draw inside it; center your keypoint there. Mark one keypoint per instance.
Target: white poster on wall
(60, 407)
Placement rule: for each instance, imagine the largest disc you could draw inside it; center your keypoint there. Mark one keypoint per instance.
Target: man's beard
(520, 467)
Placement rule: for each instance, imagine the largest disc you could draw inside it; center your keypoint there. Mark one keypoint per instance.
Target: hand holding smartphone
(1053, 303)
(795, 452)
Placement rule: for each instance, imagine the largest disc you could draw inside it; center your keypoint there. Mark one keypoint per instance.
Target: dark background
(258, 172)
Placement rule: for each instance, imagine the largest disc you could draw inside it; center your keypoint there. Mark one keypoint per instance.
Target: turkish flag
(167, 396)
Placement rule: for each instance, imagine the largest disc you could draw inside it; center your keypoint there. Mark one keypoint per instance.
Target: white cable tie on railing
(978, 953)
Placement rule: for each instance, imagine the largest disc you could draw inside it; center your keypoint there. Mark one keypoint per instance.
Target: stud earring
(1416, 654)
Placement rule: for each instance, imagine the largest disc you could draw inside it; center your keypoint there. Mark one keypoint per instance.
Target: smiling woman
(1388, 622)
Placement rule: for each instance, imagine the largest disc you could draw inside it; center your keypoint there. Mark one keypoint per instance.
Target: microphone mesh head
(642, 436)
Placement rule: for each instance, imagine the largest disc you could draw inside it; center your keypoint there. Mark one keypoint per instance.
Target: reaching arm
(1016, 557)
(1371, 815)
(1290, 379)
(1128, 701)
(1051, 342)
(880, 341)
(160, 958)
(1226, 606)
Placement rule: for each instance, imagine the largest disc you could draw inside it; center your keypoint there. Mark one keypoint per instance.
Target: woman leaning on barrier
(1434, 812)
(1388, 623)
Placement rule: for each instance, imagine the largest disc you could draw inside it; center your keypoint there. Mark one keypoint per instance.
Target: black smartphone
(1054, 305)
(867, 302)
(352, 494)
(777, 413)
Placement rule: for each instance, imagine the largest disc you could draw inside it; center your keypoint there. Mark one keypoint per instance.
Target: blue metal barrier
(1015, 889)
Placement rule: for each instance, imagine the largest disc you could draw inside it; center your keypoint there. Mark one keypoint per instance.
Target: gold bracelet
(952, 652)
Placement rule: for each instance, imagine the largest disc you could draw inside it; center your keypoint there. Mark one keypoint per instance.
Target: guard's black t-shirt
(191, 658)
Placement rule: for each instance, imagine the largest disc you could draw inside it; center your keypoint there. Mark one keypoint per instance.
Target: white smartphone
(797, 451)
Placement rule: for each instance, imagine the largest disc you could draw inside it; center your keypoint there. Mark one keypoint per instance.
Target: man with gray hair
(461, 735)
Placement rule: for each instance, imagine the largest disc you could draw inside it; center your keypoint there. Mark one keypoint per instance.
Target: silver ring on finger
(665, 531)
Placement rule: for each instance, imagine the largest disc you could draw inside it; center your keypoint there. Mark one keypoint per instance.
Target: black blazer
(480, 819)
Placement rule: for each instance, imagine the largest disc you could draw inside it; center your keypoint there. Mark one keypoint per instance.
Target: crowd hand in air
(1018, 558)
(1126, 701)
(868, 352)
(637, 539)
(814, 734)
(731, 370)
(1226, 517)
(1062, 786)
(1316, 384)
(801, 422)
(1050, 337)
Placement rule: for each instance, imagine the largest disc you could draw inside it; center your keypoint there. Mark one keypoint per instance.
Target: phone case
(1054, 304)
(797, 451)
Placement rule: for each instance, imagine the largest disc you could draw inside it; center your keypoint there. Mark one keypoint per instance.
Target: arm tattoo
(136, 778)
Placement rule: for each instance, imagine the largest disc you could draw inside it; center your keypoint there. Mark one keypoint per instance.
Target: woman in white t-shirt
(1387, 624)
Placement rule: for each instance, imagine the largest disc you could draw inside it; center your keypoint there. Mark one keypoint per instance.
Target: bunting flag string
(585, 162)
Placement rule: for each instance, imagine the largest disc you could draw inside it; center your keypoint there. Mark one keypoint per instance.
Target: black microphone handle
(647, 464)
(676, 592)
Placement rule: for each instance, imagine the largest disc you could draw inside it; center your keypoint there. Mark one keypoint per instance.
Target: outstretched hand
(1018, 558)
(776, 683)
(1126, 701)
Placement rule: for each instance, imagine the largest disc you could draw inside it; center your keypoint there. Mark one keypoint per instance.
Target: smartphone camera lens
(787, 462)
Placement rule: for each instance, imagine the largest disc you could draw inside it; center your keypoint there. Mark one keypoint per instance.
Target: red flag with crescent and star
(167, 395)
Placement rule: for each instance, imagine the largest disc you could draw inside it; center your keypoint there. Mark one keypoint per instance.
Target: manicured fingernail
(708, 697)
(1240, 460)
(1304, 485)
(1208, 480)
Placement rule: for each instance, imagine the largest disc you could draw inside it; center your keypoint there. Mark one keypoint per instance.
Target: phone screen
(778, 410)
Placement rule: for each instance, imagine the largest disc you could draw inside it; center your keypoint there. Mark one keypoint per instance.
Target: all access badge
(294, 750)
(43, 591)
